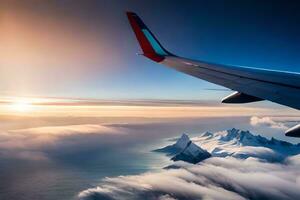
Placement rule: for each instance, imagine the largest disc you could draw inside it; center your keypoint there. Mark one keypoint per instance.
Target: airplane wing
(250, 84)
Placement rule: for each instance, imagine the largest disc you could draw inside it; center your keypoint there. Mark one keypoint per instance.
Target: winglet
(151, 47)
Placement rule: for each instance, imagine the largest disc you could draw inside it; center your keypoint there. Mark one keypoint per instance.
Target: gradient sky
(86, 49)
(77, 103)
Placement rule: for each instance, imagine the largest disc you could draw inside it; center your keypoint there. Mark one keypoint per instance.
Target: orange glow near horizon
(69, 107)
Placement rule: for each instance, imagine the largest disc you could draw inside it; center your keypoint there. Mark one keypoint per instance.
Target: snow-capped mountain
(184, 149)
(192, 154)
(233, 142)
(180, 145)
(244, 144)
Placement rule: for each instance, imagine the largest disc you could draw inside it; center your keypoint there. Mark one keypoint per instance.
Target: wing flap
(238, 97)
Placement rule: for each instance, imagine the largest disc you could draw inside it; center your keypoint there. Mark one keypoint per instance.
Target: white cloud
(69, 130)
(263, 153)
(267, 121)
(215, 178)
(36, 143)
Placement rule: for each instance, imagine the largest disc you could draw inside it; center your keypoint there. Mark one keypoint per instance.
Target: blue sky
(88, 49)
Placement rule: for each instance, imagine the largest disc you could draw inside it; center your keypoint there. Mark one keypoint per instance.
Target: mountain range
(234, 142)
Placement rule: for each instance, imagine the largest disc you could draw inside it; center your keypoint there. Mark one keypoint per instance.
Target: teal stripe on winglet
(157, 48)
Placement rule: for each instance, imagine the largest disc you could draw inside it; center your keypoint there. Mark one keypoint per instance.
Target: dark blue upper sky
(248, 33)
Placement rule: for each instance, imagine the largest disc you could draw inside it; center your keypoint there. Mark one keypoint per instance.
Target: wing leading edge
(251, 84)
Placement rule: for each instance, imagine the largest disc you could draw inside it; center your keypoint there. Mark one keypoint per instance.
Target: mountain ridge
(233, 142)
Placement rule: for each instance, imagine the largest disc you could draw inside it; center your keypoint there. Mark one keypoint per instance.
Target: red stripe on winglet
(143, 41)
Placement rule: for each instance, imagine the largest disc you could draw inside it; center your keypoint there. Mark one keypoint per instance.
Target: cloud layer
(40, 143)
(267, 121)
(215, 178)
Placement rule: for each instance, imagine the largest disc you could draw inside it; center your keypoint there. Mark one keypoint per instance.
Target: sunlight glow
(21, 106)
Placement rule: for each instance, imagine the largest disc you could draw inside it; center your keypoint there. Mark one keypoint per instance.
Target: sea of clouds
(213, 179)
(216, 178)
(42, 143)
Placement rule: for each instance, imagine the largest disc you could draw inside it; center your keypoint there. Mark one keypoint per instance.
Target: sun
(21, 106)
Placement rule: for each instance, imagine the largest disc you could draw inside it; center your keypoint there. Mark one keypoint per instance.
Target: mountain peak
(183, 141)
(192, 153)
(206, 134)
(239, 136)
(184, 149)
(184, 137)
(180, 145)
